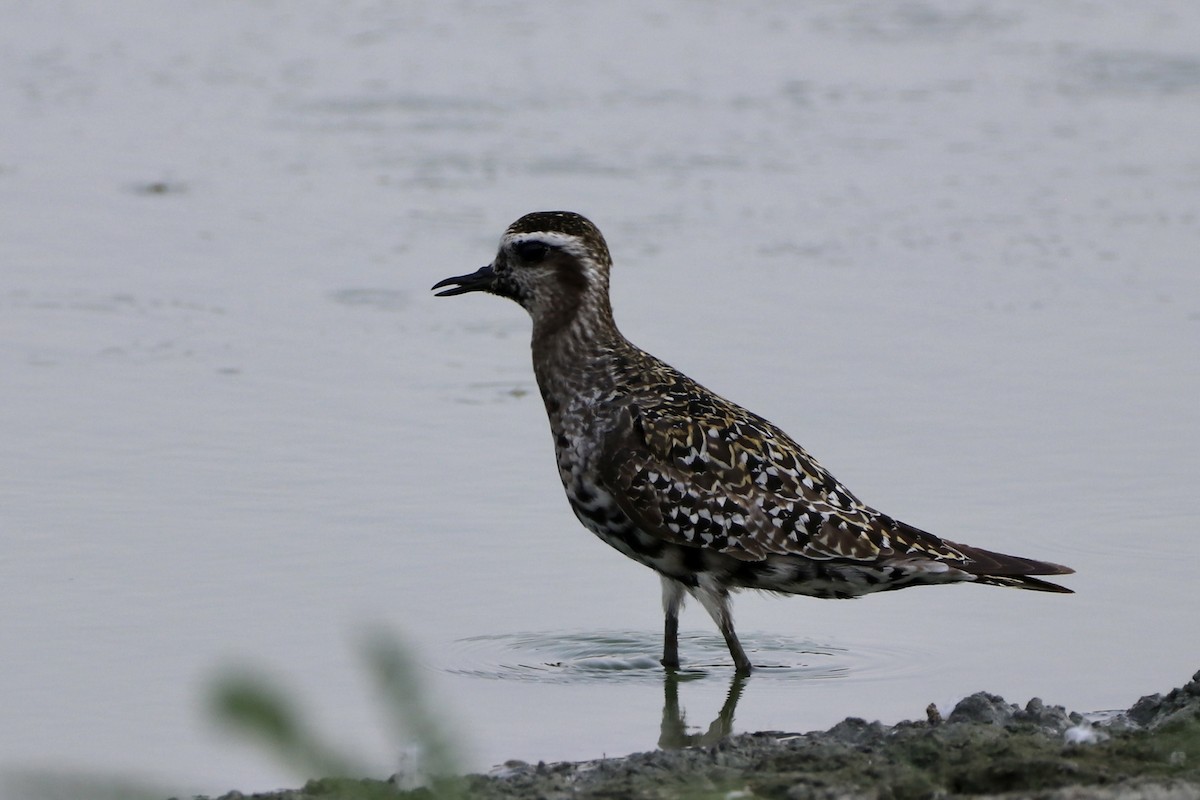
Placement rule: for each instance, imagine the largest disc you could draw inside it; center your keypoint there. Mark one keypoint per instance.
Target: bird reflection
(673, 734)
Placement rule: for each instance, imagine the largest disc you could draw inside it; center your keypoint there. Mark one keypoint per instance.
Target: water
(624, 656)
(952, 251)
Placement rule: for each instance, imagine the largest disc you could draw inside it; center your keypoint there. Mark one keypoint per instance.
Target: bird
(711, 496)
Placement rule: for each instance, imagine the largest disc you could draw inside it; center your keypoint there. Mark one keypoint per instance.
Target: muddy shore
(986, 747)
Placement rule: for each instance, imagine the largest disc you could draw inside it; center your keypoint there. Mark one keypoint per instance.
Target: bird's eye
(532, 252)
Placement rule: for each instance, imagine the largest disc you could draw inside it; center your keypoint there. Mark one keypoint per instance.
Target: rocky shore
(985, 747)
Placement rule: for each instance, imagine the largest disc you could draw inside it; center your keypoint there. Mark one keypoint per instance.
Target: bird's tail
(1022, 582)
(999, 569)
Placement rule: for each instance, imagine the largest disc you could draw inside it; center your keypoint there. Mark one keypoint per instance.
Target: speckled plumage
(711, 496)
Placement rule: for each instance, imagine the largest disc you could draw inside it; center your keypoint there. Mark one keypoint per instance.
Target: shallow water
(571, 657)
(952, 251)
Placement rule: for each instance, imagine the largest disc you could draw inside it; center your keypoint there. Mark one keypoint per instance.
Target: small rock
(982, 707)
(1054, 718)
(857, 731)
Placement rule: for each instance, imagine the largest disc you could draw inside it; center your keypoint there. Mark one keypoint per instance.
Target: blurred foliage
(252, 704)
(255, 706)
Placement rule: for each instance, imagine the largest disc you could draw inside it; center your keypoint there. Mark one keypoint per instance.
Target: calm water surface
(952, 251)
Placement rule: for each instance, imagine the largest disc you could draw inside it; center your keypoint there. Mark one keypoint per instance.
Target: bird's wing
(735, 483)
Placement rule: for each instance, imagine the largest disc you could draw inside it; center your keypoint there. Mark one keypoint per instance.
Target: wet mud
(986, 747)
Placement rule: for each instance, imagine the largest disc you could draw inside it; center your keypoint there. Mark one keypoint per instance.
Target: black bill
(478, 281)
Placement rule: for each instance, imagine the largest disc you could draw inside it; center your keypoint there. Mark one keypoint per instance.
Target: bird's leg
(715, 599)
(741, 662)
(672, 595)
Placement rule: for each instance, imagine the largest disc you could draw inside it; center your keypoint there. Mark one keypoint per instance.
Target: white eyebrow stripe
(563, 241)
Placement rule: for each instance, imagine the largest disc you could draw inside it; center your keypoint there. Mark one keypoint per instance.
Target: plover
(712, 497)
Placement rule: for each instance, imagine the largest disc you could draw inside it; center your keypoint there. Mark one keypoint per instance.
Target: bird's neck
(575, 355)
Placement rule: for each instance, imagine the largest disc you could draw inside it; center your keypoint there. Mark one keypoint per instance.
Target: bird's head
(551, 262)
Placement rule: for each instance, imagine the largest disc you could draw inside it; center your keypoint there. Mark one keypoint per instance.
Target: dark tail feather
(999, 569)
(1022, 582)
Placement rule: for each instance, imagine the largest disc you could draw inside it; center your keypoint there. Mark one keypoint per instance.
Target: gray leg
(715, 599)
(672, 594)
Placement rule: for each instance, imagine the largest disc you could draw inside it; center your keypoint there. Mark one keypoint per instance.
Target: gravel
(985, 747)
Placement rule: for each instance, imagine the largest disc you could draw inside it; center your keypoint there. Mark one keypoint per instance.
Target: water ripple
(597, 656)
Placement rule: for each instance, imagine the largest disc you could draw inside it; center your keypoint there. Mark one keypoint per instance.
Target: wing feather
(735, 483)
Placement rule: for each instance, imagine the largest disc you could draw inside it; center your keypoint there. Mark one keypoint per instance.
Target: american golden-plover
(709, 495)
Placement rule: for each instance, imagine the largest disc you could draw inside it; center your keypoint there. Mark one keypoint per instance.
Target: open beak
(478, 281)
